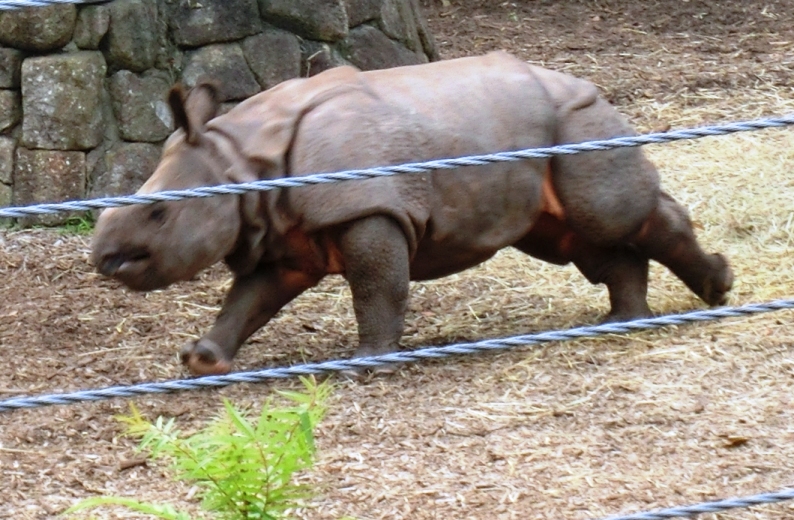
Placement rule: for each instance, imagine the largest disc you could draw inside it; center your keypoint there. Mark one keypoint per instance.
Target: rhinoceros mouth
(139, 276)
(120, 263)
(133, 268)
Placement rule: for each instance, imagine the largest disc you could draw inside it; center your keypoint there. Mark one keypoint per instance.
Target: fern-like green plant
(243, 467)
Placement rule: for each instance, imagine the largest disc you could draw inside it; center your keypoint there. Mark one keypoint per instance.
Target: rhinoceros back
(447, 109)
(345, 119)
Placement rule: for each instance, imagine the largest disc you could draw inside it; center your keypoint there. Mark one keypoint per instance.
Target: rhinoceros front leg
(375, 253)
(251, 302)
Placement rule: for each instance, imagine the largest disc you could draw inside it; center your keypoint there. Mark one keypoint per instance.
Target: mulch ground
(573, 430)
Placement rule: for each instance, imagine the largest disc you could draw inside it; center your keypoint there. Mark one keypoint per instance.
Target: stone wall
(82, 88)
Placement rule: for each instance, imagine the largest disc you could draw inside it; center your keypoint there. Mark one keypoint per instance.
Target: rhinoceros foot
(719, 282)
(360, 374)
(204, 358)
(616, 316)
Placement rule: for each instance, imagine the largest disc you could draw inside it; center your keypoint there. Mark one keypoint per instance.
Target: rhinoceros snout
(112, 263)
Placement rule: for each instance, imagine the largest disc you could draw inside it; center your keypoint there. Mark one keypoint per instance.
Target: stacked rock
(83, 87)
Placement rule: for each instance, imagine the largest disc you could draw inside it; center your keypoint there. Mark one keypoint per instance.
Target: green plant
(243, 467)
(79, 225)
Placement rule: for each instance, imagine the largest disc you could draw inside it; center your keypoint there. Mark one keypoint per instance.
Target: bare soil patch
(572, 430)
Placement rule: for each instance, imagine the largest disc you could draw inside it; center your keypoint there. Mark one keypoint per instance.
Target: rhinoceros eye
(157, 214)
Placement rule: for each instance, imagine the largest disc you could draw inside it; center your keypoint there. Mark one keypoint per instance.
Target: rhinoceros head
(151, 246)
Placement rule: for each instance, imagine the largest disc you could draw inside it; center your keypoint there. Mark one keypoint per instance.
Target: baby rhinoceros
(603, 211)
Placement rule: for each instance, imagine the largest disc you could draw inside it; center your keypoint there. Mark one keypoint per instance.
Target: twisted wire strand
(387, 171)
(328, 367)
(7, 5)
(710, 507)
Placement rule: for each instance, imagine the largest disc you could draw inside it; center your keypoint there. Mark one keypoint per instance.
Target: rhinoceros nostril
(135, 257)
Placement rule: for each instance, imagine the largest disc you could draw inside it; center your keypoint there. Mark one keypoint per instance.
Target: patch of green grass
(79, 225)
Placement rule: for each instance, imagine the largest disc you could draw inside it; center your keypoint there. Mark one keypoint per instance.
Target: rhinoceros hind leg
(668, 238)
(622, 270)
(375, 254)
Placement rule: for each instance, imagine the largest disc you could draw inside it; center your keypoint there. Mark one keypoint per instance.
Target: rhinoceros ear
(193, 110)
(176, 100)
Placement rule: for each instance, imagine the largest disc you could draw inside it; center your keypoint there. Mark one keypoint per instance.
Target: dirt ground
(573, 430)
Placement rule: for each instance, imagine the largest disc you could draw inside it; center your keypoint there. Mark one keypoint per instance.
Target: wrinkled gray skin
(603, 211)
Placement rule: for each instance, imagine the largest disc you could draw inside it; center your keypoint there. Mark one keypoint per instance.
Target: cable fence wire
(7, 5)
(328, 367)
(387, 171)
(710, 507)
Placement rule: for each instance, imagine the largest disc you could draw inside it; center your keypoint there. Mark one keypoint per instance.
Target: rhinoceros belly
(474, 213)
